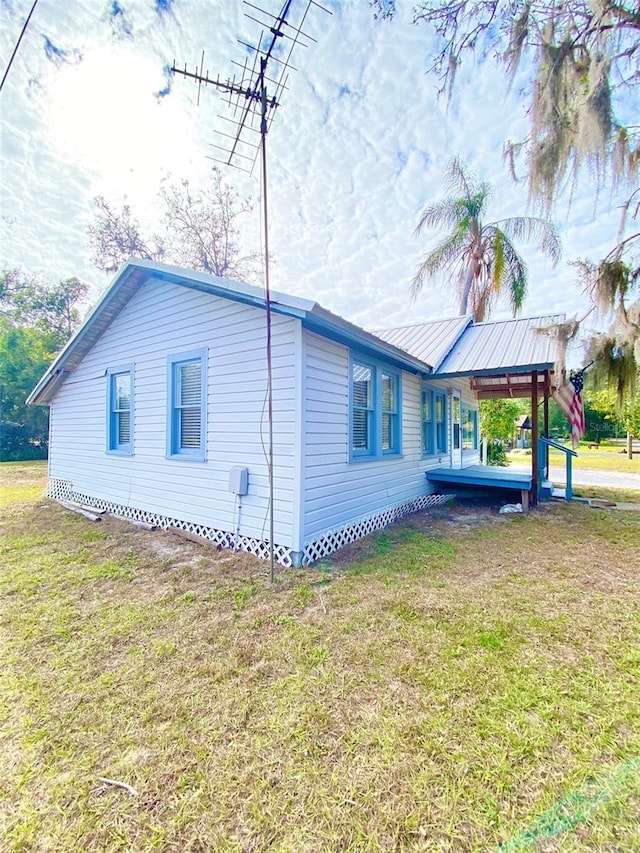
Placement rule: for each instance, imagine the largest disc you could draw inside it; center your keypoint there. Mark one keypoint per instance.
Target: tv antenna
(252, 98)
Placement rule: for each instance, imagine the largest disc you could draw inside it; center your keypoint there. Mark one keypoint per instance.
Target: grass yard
(464, 681)
(608, 493)
(601, 459)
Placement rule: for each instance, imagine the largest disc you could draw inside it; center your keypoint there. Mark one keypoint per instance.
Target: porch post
(547, 393)
(534, 437)
(546, 404)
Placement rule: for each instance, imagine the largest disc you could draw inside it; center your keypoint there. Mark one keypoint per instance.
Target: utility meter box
(239, 480)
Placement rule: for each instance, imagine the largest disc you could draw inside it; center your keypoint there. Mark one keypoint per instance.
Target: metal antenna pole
(244, 97)
(15, 49)
(267, 287)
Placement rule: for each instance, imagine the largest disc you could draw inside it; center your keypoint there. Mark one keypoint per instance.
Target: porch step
(559, 493)
(546, 490)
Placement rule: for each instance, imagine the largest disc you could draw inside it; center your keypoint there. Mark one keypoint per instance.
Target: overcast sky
(358, 147)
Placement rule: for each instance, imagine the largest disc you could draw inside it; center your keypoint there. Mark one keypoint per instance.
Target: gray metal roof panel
(501, 345)
(431, 341)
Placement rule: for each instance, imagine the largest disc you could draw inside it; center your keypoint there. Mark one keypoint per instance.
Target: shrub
(496, 454)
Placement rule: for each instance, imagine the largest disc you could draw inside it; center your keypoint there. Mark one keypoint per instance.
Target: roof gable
(137, 273)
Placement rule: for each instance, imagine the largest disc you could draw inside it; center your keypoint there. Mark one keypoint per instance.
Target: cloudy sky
(358, 146)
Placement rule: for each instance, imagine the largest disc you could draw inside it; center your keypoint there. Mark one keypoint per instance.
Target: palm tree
(483, 257)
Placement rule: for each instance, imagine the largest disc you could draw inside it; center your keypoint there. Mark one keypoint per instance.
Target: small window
(187, 406)
(120, 410)
(375, 410)
(469, 429)
(362, 410)
(456, 423)
(427, 422)
(441, 422)
(390, 412)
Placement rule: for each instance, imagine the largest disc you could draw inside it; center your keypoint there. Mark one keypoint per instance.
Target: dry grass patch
(464, 681)
(608, 493)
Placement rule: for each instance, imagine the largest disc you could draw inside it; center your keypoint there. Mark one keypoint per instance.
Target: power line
(15, 49)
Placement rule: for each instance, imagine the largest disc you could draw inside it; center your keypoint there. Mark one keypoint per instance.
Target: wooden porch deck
(486, 477)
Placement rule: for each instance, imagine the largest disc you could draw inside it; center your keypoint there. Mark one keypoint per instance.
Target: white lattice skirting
(316, 550)
(331, 542)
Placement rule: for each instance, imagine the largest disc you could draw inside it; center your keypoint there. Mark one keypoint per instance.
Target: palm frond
(440, 259)
(441, 214)
(481, 300)
(498, 266)
(461, 180)
(533, 229)
(513, 271)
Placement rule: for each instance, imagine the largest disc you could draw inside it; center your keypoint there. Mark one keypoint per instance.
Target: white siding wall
(336, 491)
(164, 320)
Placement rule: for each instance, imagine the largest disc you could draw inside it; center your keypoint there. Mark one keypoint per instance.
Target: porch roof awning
(511, 384)
(500, 357)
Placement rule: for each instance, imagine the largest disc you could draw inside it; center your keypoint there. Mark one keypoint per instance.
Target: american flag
(569, 398)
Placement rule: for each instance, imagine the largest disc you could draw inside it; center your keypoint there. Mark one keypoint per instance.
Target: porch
(486, 477)
(507, 359)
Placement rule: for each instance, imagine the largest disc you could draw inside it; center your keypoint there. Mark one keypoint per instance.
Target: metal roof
(137, 273)
(500, 356)
(501, 347)
(430, 342)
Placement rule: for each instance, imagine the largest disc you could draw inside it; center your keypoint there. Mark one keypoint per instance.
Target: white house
(158, 412)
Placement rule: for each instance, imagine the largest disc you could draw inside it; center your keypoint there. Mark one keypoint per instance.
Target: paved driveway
(589, 477)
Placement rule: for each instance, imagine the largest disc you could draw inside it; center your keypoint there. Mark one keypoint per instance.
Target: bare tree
(115, 236)
(201, 231)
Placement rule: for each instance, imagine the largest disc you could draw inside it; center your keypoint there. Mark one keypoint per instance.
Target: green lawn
(602, 459)
(464, 681)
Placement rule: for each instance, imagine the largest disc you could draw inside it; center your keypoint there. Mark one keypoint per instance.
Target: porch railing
(543, 463)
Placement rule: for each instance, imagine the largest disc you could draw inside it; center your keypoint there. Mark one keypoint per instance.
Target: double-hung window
(362, 411)
(120, 410)
(469, 429)
(390, 412)
(428, 443)
(187, 405)
(440, 407)
(456, 410)
(375, 410)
